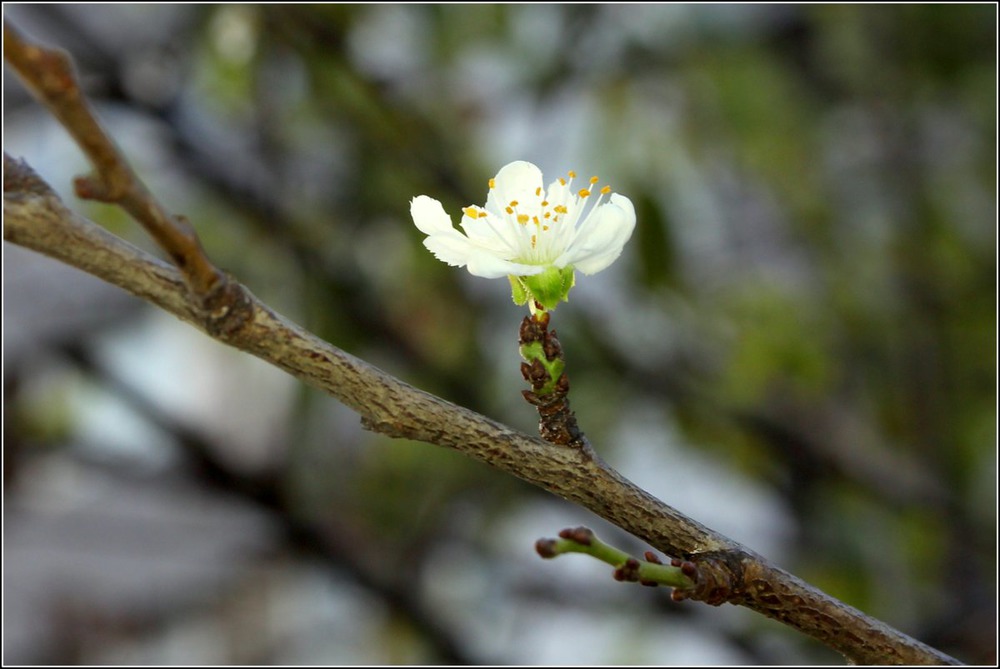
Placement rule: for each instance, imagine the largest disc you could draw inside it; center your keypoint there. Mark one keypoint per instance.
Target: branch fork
(50, 76)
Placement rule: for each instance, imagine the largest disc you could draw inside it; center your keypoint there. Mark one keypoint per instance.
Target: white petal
(557, 192)
(429, 216)
(602, 236)
(452, 249)
(491, 232)
(490, 266)
(520, 181)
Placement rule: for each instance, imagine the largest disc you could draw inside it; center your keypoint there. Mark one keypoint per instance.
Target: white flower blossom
(526, 231)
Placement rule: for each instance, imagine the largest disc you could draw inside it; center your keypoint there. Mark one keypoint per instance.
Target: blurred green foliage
(816, 194)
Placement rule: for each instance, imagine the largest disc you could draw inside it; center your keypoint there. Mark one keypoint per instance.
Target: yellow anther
(545, 227)
(493, 183)
(572, 174)
(510, 210)
(583, 192)
(482, 214)
(534, 240)
(545, 203)
(471, 212)
(538, 191)
(513, 203)
(605, 190)
(548, 214)
(535, 219)
(560, 209)
(562, 182)
(594, 180)
(522, 219)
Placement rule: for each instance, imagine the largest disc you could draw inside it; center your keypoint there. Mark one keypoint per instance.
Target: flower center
(544, 226)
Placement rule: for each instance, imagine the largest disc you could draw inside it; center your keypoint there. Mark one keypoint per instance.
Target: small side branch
(651, 572)
(50, 76)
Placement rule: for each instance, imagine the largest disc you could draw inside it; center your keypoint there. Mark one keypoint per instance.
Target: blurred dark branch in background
(894, 429)
(726, 571)
(386, 575)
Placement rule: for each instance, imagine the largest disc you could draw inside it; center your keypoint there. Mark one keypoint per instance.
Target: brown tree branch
(34, 217)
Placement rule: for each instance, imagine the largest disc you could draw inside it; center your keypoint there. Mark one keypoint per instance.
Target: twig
(48, 74)
(652, 572)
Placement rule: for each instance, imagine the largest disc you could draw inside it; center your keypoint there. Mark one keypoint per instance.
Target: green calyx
(546, 289)
(553, 368)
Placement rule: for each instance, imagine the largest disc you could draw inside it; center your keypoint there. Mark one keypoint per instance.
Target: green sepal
(518, 291)
(554, 368)
(550, 287)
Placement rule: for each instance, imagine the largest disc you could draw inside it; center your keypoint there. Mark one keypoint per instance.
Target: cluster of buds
(543, 369)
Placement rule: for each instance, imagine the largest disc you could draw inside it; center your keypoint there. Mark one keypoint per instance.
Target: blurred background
(797, 348)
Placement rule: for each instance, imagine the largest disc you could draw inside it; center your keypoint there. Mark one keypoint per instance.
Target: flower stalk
(543, 368)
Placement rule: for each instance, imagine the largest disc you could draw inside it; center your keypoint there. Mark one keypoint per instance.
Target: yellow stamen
(482, 214)
(560, 209)
(522, 219)
(471, 212)
(572, 174)
(583, 192)
(594, 180)
(538, 191)
(509, 210)
(534, 240)
(562, 182)
(493, 183)
(605, 190)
